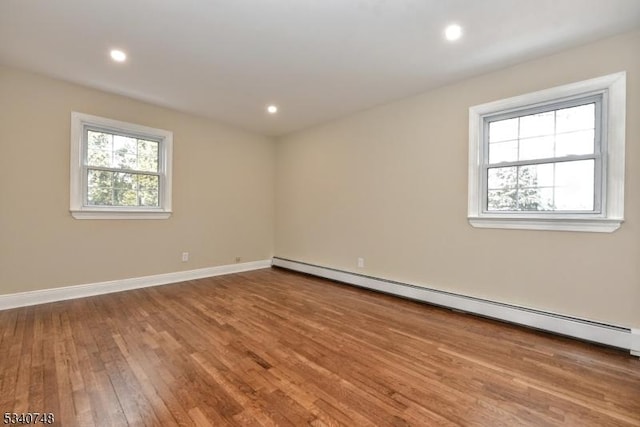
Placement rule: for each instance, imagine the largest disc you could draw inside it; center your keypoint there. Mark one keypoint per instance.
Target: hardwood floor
(273, 347)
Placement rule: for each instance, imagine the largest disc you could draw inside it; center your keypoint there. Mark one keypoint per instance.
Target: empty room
(320, 212)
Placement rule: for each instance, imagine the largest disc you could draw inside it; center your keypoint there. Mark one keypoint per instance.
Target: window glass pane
(148, 198)
(124, 152)
(503, 152)
(580, 142)
(124, 181)
(97, 178)
(536, 175)
(536, 148)
(502, 200)
(99, 191)
(147, 155)
(99, 157)
(148, 188)
(575, 185)
(148, 182)
(99, 140)
(502, 194)
(100, 196)
(502, 178)
(535, 199)
(571, 119)
(535, 187)
(503, 130)
(537, 124)
(99, 148)
(125, 145)
(124, 189)
(125, 197)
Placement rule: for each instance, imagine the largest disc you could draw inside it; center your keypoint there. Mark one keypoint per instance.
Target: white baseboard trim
(584, 329)
(23, 299)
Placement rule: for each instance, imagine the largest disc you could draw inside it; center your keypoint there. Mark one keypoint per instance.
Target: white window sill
(120, 214)
(594, 225)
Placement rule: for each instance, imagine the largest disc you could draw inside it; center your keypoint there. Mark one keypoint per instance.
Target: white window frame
(605, 218)
(78, 177)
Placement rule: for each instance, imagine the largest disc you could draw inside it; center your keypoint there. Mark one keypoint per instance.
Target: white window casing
(79, 207)
(608, 213)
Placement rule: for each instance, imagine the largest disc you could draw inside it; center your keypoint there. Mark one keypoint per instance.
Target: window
(119, 170)
(550, 160)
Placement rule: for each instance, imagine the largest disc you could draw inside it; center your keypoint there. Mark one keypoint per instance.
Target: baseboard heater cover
(584, 329)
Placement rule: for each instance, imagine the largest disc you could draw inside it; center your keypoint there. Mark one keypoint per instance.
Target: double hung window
(545, 159)
(119, 170)
(550, 160)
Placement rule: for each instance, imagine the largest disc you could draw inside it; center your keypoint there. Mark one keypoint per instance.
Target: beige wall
(390, 185)
(223, 192)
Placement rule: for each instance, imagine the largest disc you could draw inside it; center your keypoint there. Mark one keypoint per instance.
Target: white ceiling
(316, 59)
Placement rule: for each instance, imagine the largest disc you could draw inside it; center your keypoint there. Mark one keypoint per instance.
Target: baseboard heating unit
(584, 329)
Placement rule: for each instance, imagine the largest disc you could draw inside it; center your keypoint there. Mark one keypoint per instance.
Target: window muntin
(546, 159)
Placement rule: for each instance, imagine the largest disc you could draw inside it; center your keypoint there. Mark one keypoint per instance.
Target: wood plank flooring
(273, 347)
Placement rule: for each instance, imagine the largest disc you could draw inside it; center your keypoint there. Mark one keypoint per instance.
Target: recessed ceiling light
(118, 55)
(272, 109)
(453, 32)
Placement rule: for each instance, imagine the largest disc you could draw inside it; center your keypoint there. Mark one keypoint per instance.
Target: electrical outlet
(185, 256)
(360, 262)
(238, 259)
